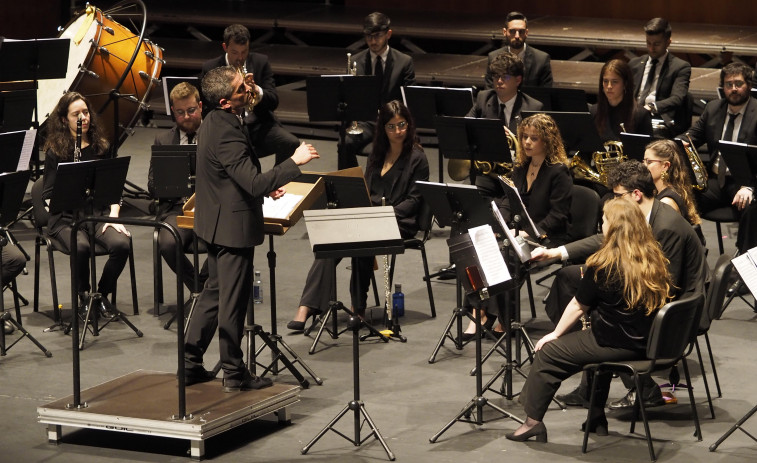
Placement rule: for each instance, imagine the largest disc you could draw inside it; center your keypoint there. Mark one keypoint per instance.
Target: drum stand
(355, 405)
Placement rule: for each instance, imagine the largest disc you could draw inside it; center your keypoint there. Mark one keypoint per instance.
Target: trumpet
(697, 166)
(253, 98)
(352, 70)
(459, 169)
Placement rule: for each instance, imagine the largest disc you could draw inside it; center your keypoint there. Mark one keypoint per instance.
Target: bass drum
(99, 61)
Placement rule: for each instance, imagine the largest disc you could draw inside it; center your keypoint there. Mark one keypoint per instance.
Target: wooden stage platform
(146, 402)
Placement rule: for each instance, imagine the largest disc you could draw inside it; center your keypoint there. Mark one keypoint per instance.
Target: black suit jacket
(487, 106)
(672, 87)
(679, 243)
(538, 70)
(398, 72)
(230, 184)
(550, 198)
(258, 65)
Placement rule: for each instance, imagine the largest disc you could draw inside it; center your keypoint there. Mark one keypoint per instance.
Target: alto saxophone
(697, 166)
(354, 128)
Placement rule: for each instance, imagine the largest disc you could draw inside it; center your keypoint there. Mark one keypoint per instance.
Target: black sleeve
(588, 289)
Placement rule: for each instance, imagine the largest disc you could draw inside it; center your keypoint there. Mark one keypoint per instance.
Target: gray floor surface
(408, 398)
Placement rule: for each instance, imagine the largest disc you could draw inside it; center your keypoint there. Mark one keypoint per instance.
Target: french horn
(459, 169)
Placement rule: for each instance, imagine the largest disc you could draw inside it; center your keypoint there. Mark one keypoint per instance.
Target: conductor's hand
(542, 254)
(276, 194)
(304, 154)
(117, 227)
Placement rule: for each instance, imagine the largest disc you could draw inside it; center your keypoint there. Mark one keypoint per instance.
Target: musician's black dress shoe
(598, 426)
(196, 375)
(630, 400)
(248, 382)
(8, 327)
(573, 398)
(539, 432)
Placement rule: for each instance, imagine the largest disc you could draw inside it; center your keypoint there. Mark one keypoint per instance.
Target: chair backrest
(674, 327)
(425, 218)
(716, 292)
(41, 215)
(584, 213)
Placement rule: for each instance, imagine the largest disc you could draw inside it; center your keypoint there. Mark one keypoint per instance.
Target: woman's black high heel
(294, 325)
(539, 432)
(598, 426)
(488, 324)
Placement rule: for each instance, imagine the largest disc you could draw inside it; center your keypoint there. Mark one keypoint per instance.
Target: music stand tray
(342, 98)
(426, 102)
(173, 170)
(558, 99)
(472, 139)
(576, 128)
(741, 160)
(634, 145)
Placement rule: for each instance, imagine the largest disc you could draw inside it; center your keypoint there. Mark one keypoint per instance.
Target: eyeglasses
(504, 77)
(189, 111)
(522, 32)
(652, 161)
(400, 125)
(734, 84)
(375, 36)
(620, 195)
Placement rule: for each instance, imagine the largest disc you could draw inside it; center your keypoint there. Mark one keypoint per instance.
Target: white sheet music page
(746, 265)
(280, 208)
(493, 268)
(26, 150)
(521, 248)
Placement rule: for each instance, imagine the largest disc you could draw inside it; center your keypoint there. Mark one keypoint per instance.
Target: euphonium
(459, 169)
(700, 172)
(606, 160)
(354, 129)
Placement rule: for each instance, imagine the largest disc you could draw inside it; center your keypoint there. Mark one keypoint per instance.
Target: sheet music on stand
(280, 208)
(746, 265)
(13, 144)
(522, 248)
(492, 264)
(520, 209)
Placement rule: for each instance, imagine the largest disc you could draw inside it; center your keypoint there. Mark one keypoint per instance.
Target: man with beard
(734, 118)
(538, 71)
(186, 108)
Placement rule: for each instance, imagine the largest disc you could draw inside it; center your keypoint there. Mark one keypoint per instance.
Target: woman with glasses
(60, 146)
(671, 180)
(624, 284)
(396, 162)
(616, 110)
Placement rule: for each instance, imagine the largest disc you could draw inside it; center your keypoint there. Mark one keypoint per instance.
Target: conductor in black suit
(266, 132)
(661, 81)
(186, 108)
(733, 118)
(229, 219)
(395, 70)
(538, 70)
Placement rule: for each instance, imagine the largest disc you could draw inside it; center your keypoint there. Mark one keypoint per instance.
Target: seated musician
(186, 108)
(541, 175)
(14, 262)
(395, 164)
(616, 109)
(626, 282)
(59, 147)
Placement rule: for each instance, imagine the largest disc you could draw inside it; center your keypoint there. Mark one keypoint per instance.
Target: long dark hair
(58, 138)
(381, 141)
(627, 105)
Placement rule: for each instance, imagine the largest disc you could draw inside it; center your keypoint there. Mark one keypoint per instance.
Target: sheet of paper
(523, 208)
(493, 266)
(26, 150)
(746, 265)
(521, 248)
(280, 208)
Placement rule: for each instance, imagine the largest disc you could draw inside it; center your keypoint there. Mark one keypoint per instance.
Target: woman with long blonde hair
(625, 282)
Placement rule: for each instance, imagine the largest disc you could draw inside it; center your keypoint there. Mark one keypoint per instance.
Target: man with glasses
(505, 101)
(679, 242)
(661, 81)
(394, 69)
(733, 118)
(538, 70)
(266, 132)
(186, 108)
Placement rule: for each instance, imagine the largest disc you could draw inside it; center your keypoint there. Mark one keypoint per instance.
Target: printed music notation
(280, 208)
(492, 264)
(746, 265)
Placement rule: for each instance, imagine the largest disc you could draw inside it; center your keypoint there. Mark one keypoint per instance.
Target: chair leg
(697, 429)
(592, 391)
(157, 274)
(37, 245)
(133, 274)
(712, 363)
(14, 290)
(720, 238)
(428, 282)
(57, 315)
(704, 378)
(640, 407)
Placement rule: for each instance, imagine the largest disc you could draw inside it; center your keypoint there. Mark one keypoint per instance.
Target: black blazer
(641, 117)
(487, 106)
(537, 72)
(672, 85)
(230, 184)
(550, 198)
(398, 68)
(679, 243)
(257, 64)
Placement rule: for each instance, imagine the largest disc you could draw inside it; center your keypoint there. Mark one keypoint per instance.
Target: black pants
(715, 197)
(562, 358)
(353, 146)
(223, 304)
(320, 281)
(167, 247)
(13, 262)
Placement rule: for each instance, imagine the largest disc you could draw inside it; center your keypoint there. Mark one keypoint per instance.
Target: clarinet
(77, 148)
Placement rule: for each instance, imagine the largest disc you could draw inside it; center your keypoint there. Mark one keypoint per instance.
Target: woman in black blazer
(616, 110)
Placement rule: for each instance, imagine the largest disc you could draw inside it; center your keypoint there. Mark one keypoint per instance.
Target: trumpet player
(395, 70)
(734, 118)
(266, 132)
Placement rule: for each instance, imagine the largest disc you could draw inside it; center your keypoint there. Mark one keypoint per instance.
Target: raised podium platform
(111, 407)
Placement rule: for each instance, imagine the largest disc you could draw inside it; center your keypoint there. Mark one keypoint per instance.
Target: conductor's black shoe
(573, 398)
(8, 327)
(248, 383)
(197, 375)
(630, 400)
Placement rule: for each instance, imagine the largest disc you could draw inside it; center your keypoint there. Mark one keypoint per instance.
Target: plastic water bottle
(398, 301)
(257, 289)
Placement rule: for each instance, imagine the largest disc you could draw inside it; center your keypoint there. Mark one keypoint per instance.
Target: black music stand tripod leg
(356, 405)
(736, 426)
(257, 330)
(457, 318)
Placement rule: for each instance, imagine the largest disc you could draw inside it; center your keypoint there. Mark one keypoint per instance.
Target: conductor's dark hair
(217, 84)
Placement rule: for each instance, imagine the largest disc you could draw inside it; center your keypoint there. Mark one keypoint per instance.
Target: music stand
(426, 102)
(468, 264)
(558, 99)
(741, 160)
(12, 189)
(371, 231)
(634, 145)
(17, 110)
(576, 128)
(472, 139)
(87, 186)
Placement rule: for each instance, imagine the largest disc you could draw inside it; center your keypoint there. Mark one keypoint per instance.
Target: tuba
(700, 172)
(354, 129)
(459, 169)
(602, 160)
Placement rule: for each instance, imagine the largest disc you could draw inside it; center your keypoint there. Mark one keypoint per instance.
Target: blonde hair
(548, 131)
(630, 257)
(678, 178)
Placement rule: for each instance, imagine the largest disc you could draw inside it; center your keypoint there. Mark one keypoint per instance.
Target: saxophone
(354, 128)
(697, 166)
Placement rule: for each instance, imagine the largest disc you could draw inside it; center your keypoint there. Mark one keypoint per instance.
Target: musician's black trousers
(320, 280)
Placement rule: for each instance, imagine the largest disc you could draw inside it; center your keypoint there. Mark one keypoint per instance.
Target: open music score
(746, 265)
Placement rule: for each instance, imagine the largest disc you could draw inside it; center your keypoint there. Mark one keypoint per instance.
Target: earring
(664, 176)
